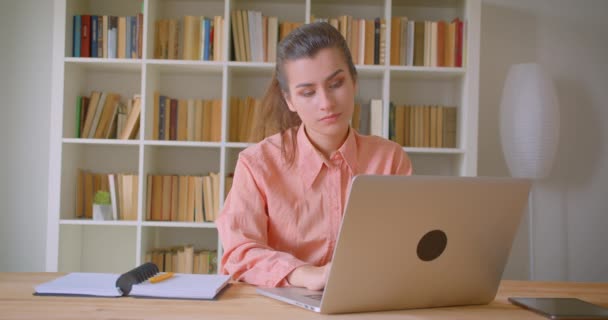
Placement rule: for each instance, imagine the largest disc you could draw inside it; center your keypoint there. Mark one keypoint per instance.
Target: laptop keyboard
(315, 296)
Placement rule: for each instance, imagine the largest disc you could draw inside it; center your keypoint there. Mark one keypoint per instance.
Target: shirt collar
(309, 160)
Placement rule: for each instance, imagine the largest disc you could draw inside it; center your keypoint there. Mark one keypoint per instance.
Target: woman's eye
(336, 84)
(309, 93)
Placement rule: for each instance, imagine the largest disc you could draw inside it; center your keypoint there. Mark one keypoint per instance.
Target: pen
(161, 277)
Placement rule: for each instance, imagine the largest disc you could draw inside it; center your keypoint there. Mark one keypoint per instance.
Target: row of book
(183, 259)
(427, 43)
(103, 36)
(104, 115)
(121, 187)
(366, 38)
(189, 38)
(200, 120)
(169, 197)
(244, 113)
(183, 198)
(367, 117)
(423, 126)
(186, 119)
(255, 37)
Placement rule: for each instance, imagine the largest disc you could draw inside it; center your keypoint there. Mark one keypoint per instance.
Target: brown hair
(303, 42)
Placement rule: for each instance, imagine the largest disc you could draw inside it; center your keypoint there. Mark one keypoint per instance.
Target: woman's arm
(242, 227)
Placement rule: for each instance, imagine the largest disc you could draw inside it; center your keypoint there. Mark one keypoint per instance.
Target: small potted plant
(102, 206)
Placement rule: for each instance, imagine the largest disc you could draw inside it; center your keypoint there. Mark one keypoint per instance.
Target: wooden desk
(240, 301)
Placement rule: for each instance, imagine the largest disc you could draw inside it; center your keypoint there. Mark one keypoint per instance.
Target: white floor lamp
(529, 129)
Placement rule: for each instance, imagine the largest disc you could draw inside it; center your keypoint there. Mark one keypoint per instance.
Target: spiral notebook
(135, 283)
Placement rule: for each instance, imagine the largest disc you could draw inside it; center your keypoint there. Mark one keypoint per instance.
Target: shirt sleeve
(242, 227)
(402, 164)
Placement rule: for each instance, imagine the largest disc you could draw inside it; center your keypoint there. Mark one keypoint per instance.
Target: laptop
(418, 242)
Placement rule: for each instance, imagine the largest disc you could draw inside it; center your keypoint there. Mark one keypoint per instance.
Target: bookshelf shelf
(77, 244)
(191, 144)
(106, 64)
(97, 223)
(207, 225)
(186, 65)
(454, 151)
(427, 73)
(101, 141)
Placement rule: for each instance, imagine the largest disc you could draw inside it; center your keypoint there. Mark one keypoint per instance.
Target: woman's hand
(309, 277)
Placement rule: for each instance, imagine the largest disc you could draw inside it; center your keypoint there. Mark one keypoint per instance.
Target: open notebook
(135, 283)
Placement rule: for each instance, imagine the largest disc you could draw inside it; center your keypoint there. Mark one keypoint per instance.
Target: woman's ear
(287, 99)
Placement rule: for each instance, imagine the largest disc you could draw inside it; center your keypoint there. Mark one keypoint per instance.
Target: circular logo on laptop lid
(432, 245)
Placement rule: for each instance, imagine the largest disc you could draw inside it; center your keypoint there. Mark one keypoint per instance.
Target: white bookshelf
(116, 246)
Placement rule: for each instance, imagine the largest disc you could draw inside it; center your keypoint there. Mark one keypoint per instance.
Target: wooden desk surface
(240, 301)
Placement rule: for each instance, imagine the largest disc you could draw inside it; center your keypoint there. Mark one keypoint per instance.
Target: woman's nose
(326, 100)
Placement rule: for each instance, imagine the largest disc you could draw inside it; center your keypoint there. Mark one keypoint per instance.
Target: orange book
(182, 120)
(174, 198)
(198, 120)
(80, 194)
(165, 212)
(190, 199)
(216, 120)
(369, 41)
(157, 198)
(207, 120)
(182, 205)
(149, 197)
(199, 215)
(450, 45)
(121, 43)
(354, 40)
(234, 120)
(208, 198)
(441, 29)
(400, 125)
(396, 37)
(192, 35)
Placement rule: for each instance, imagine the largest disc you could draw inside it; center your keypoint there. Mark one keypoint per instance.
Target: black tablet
(562, 308)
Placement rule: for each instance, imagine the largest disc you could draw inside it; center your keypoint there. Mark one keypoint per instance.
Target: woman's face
(322, 92)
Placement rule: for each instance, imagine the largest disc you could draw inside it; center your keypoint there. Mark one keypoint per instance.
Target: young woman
(280, 221)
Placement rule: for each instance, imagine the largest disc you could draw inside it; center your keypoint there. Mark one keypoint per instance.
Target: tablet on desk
(562, 308)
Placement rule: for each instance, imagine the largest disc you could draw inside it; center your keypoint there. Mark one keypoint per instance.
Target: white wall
(25, 84)
(568, 38)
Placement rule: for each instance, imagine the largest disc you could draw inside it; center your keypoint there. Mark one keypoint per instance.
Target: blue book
(93, 36)
(207, 38)
(100, 39)
(76, 40)
(133, 53)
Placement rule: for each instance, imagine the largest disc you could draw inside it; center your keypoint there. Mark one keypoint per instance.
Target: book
(128, 131)
(136, 283)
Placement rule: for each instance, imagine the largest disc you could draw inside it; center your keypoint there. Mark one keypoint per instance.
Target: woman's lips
(331, 117)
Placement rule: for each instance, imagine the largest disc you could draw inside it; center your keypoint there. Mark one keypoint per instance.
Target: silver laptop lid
(420, 241)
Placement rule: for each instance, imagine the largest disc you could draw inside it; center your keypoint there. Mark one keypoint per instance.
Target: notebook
(136, 283)
(418, 242)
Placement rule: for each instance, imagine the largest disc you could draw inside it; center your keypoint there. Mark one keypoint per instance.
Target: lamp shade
(529, 121)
